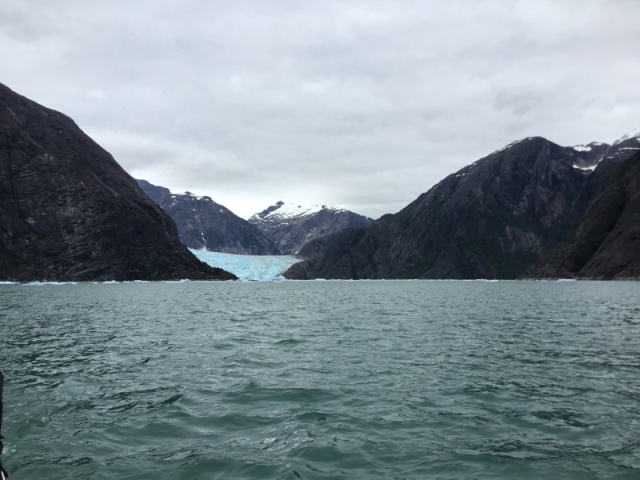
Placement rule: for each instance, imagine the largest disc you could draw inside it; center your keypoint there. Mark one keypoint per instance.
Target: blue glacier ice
(249, 267)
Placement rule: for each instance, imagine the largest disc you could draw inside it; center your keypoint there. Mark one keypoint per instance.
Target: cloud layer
(360, 104)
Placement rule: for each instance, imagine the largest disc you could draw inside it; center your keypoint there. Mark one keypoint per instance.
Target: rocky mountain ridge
(69, 212)
(491, 219)
(203, 223)
(606, 245)
(533, 208)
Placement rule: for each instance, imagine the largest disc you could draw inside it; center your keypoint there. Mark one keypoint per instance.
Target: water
(322, 380)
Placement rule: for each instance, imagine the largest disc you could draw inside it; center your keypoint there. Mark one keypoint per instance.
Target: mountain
(491, 219)
(606, 245)
(203, 223)
(69, 212)
(291, 226)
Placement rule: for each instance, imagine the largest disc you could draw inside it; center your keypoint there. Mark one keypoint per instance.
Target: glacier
(263, 268)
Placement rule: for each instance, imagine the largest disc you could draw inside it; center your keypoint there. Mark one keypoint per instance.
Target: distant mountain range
(533, 209)
(203, 223)
(497, 217)
(279, 230)
(69, 212)
(292, 226)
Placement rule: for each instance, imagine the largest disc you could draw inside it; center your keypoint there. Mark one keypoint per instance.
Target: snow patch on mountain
(587, 169)
(287, 210)
(506, 147)
(582, 148)
(632, 134)
(189, 194)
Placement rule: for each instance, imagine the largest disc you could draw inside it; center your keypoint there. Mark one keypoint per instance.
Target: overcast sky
(359, 104)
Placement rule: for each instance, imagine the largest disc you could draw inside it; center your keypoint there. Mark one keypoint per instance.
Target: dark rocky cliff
(69, 212)
(291, 227)
(492, 219)
(607, 243)
(203, 223)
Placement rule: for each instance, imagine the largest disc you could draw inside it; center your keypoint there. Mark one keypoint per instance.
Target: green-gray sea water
(322, 380)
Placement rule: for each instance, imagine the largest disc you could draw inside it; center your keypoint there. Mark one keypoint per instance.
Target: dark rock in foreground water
(69, 212)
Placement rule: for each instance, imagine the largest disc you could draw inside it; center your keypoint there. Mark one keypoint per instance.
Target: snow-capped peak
(286, 210)
(633, 134)
(514, 143)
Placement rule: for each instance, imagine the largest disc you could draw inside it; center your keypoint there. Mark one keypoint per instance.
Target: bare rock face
(69, 212)
(203, 223)
(492, 219)
(607, 243)
(292, 226)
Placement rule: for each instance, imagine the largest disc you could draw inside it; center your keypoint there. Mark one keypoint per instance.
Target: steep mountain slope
(291, 226)
(607, 243)
(492, 219)
(203, 223)
(68, 211)
(620, 150)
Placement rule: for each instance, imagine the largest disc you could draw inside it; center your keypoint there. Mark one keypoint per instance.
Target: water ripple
(317, 380)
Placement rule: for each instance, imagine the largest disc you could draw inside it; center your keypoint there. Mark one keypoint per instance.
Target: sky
(361, 104)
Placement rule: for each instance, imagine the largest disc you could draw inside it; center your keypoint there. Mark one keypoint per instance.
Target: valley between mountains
(532, 209)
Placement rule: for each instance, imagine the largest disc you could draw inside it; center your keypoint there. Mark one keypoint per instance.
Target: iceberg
(264, 268)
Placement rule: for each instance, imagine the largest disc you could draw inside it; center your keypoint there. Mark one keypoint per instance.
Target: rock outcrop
(292, 226)
(69, 212)
(492, 219)
(607, 243)
(203, 223)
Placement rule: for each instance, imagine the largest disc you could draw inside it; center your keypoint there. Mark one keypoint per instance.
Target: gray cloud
(362, 104)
